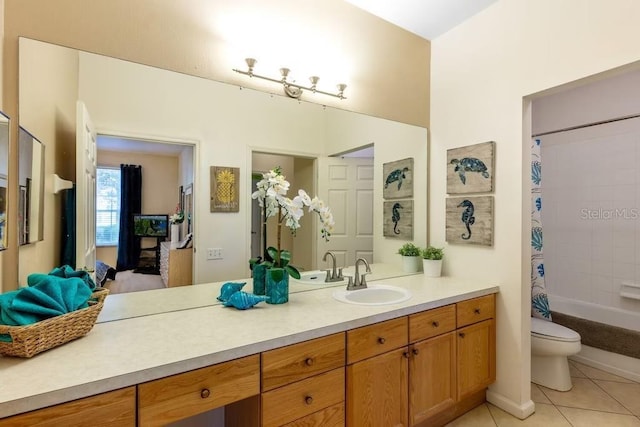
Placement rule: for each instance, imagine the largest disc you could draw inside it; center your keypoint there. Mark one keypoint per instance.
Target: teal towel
(68, 272)
(46, 296)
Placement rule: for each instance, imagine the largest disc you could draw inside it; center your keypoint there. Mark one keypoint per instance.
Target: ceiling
(426, 18)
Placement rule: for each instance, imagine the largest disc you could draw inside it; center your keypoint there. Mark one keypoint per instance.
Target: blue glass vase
(259, 279)
(277, 286)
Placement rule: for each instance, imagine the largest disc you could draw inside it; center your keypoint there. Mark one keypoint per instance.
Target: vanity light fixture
(292, 90)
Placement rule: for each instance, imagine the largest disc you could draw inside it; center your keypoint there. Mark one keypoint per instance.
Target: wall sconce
(292, 90)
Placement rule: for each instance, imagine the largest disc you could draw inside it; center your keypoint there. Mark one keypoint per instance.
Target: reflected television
(150, 225)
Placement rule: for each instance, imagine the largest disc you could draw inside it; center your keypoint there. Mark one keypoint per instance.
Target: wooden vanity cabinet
(476, 343)
(181, 396)
(304, 384)
(432, 363)
(112, 409)
(377, 365)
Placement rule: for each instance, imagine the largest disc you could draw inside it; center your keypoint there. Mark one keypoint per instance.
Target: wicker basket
(35, 338)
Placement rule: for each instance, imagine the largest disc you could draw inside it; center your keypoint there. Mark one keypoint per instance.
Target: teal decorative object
(228, 289)
(277, 288)
(259, 279)
(243, 300)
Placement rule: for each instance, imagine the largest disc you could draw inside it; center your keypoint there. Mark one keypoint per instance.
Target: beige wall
(484, 73)
(386, 68)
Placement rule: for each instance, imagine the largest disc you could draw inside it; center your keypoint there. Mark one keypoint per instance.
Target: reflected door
(346, 185)
(86, 164)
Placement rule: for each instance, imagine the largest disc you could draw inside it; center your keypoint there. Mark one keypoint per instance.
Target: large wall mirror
(4, 174)
(228, 125)
(30, 188)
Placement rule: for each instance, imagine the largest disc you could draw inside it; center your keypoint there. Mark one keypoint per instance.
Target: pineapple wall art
(225, 191)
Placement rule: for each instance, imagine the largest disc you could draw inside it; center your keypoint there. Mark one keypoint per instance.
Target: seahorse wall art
(470, 168)
(398, 219)
(470, 220)
(398, 179)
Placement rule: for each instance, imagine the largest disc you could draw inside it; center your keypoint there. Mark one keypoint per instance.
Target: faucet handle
(328, 277)
(340, 276)
(349, 282)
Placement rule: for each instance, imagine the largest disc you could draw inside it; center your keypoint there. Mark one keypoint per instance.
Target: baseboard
(617, 364)
(519, 411)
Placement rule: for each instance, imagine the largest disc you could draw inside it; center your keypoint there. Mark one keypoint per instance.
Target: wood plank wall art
(398, 184)
(225, 189)
(470, 170)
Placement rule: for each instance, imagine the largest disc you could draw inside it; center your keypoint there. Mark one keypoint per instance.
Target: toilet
(551, 344)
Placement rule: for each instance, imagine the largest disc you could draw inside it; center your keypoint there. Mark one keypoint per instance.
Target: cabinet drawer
(297, 400)
(476, 310)
(379, 338)
(180, 396)
(115, 408)
(333, 416)
(432, 323)
(299, 361)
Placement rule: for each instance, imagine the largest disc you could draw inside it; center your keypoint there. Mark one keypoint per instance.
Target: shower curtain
(539, 300)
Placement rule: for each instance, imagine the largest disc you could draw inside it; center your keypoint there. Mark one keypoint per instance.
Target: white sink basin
(373, 295)
(315, 277)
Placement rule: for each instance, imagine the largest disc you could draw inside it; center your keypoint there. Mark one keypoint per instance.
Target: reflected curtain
(539, 299)
(68, 229)
(130, 204)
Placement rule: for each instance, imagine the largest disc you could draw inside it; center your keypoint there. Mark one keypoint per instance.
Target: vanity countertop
(130, 351)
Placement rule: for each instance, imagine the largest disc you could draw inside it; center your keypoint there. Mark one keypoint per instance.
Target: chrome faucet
(332, 276)
(360, 282)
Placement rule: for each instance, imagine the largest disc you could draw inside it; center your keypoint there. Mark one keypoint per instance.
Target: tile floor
(597, 399)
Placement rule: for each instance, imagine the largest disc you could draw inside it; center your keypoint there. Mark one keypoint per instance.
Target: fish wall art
(398, 219)
(470, 168)
(470, 220)
(398, 179)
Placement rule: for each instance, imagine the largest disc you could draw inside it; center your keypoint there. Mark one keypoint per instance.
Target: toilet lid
(553, 331)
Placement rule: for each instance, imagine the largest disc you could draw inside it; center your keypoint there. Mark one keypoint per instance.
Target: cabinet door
(476, 357)
(432, 377)
(377, 390)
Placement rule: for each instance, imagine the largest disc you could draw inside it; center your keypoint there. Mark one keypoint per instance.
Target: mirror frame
(5, 121)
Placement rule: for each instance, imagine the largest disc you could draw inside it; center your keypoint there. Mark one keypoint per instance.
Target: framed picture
(470, 220)
(470, 168)
(398, 219)
(398, 179)
(225, 189)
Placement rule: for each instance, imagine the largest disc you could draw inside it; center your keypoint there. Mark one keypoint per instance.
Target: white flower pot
(411, 264)
(175, 234)
(432, 267)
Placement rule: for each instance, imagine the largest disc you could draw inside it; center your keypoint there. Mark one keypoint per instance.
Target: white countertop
(122, 353)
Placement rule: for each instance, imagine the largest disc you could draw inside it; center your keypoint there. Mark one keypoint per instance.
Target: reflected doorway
(352, 224)
(166, 189)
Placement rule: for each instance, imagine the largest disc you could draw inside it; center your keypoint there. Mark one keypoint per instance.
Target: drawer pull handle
(476, 311)
(435, 323)
(308, 361)
(308, 400)
(381, 340)
(461, 334)
(415, 351)
(406, 354)
(205, 393)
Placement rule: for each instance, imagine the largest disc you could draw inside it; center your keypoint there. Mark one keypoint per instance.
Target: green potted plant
(410, 257)
(432, 261)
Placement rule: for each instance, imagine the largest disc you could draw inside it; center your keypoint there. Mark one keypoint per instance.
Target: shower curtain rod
(587, 125)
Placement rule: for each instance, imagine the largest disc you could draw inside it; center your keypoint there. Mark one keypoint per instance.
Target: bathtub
(617, 364)
(598, 313)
